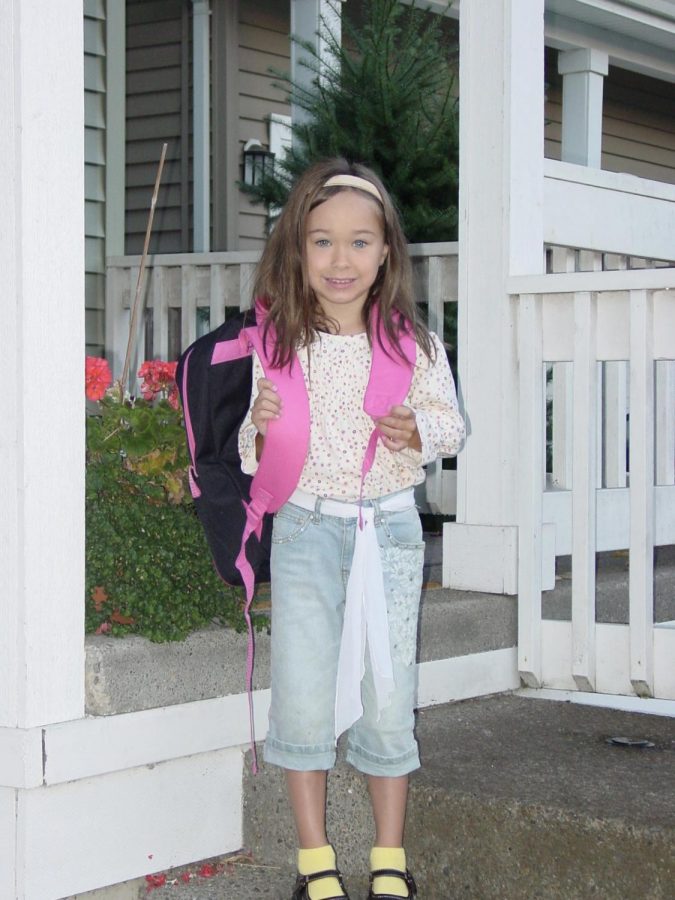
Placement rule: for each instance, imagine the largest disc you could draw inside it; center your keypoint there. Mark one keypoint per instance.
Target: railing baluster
(188, 297)
(562, 259)
(217, 295)
(160, 315)
(435, 309)
(435, 295)
(188, 302)
(138, 344)
(583, 491)
(589, 261)
(531, 387)
(641, 575)
(246, 273)
(116, 319)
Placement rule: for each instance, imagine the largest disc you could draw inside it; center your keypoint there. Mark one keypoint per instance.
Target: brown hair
(281, 283)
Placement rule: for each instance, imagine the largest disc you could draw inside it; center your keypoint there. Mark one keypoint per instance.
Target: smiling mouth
(340, 282)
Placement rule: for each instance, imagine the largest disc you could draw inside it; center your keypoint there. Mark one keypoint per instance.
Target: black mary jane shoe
(392, 873)
(303, 881)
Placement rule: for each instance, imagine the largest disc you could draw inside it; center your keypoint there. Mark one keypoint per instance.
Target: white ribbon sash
(365, 620)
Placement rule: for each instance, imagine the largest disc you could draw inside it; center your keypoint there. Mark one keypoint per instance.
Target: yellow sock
(318, 859)
(388, 858)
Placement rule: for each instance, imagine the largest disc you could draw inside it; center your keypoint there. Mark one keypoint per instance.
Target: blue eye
(322, 242)
(360, 243)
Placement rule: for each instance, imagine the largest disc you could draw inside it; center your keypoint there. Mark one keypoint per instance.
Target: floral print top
(336, 381)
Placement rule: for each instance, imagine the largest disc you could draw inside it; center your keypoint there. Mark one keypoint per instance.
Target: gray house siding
(158, 96)
(94, 173)
(158, 38)
(263, 44)
(638, 128)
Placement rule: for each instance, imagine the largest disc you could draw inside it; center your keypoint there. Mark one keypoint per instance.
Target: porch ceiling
(637, 34)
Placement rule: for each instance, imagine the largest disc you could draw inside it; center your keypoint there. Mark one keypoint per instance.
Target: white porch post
(500, 233)
(309, 18)
(41, 372)
(583, 74)
(201, 125)
(115, 132)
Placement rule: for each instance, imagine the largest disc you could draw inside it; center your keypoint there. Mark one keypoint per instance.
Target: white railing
(185, 295)
(607, 211)
(610, 336)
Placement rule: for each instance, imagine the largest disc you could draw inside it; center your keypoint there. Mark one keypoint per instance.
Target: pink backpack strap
(390, 379)
(287, 440)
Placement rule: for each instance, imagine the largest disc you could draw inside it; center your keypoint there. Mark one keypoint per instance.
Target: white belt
(365, 619)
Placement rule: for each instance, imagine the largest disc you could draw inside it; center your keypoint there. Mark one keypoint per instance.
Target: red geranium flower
(207, 871)
(159, 377)
(97, 377)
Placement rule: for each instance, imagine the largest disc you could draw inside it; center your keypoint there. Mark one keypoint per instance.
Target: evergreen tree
(385, 98)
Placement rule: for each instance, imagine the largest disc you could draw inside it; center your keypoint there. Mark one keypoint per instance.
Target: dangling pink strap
(255, 511)
(192, 472)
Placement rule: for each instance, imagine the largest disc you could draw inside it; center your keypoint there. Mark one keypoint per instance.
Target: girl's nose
(340, 255)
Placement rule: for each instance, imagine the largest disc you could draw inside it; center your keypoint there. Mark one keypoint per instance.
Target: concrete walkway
(517, 798)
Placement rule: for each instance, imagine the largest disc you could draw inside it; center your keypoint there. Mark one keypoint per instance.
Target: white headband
(362, 184)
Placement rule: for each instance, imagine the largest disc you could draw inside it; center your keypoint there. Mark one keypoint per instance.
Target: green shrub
(148, 567)
(147, 561)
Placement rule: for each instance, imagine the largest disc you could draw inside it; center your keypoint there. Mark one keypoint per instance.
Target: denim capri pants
(310, 565)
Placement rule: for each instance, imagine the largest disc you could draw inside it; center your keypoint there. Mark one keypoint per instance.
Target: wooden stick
(141, 271)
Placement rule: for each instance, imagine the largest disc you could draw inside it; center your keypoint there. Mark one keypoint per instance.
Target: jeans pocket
(403, 529)
(289, 524)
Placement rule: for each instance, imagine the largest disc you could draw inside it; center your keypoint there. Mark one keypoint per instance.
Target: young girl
(347, 550)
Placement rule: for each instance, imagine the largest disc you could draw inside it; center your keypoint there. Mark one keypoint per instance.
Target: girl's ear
(385, 253)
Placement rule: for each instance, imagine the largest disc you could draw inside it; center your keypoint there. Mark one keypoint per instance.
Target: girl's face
(345, 248)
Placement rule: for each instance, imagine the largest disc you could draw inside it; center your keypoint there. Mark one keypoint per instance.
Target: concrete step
(516, 798)
(129, 674)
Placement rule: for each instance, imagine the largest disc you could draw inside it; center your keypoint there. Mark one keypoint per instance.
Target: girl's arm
(265, 406)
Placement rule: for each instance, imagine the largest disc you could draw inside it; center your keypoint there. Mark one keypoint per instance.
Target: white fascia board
(633, 47)
(642, 20)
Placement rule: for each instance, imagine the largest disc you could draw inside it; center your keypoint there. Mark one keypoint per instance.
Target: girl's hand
(399, 429)
(266, 406)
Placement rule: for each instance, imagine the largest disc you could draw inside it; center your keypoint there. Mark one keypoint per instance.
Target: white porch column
(500, 233)
(41, 372)
(309, 20)
(42, 365)
(201, 125)
(583, 74)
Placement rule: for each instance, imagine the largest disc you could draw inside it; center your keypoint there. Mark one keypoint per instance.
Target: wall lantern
(257, 162)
